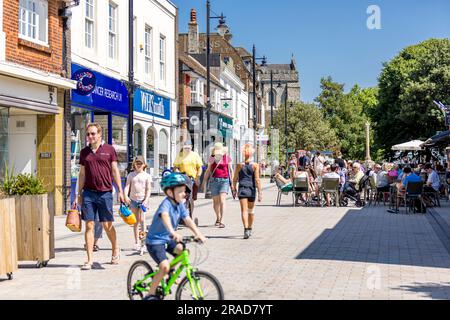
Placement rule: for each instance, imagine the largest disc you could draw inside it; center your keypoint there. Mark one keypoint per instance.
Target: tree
(407, 87)
(307, 129)
(347, 114)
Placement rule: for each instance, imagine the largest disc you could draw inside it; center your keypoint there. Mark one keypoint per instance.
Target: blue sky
(327, 37)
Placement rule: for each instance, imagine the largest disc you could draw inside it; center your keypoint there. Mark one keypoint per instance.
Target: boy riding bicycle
(162, 237)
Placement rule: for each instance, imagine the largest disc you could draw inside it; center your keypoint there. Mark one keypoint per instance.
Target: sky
(327, 37)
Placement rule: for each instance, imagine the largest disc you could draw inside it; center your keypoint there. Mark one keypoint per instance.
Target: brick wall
(27, 53)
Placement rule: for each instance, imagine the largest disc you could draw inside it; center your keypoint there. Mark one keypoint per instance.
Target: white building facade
(100, 65)
(155, 101)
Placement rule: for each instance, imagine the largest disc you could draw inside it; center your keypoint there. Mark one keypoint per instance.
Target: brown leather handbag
(73, 221)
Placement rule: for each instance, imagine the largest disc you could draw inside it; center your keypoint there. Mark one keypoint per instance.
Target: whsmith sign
(150, 103)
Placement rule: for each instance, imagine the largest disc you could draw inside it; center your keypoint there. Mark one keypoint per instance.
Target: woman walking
(247, 175)
(219, 175)
(137, 194)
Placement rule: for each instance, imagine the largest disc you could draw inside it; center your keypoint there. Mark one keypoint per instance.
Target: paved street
(296, 253)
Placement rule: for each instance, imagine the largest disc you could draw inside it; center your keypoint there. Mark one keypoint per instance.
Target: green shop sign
(226, 127)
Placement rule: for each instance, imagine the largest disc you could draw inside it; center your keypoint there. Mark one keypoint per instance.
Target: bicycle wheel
(210, 286)
(137, 272)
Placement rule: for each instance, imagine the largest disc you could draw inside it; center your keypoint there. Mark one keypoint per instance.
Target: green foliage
(347, 114)
(22, 184)
(407, 87)
(306, 127)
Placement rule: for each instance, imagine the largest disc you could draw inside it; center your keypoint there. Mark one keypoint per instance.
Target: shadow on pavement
(378, 237)
(226, 237)
(430, 290)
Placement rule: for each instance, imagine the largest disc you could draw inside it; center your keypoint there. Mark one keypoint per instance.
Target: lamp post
(285, 122)
(223, 29)
(255, 126)
(271, 99)
(130, 84)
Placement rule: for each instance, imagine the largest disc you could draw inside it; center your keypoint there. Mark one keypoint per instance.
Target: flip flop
(86, 266)
(221, 225)
(115, 259)
(217, 224)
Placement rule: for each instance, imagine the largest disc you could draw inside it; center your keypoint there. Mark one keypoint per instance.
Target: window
(151, 149)
(193, 86)
(33, 20)
(112, 31)
(148, 50)
(79, 120)
(89, 24)
(163, 151)
(162, 58)
(138, 141)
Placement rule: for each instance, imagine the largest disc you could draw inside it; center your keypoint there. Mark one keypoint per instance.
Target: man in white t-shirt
(332, 175)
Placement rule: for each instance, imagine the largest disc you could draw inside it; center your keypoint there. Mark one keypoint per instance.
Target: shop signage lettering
(99, 91)
(149, 103)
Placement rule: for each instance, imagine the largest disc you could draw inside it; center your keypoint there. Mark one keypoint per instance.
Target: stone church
(282, 74)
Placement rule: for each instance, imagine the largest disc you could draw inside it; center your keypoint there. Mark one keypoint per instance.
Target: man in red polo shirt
(98, 168)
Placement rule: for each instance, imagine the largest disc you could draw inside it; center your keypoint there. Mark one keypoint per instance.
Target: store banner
(152, 104)
(97, 90)
(226, 127)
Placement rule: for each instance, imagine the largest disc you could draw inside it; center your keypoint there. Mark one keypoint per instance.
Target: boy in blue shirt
(162, 236)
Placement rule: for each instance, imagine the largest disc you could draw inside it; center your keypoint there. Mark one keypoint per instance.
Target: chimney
(193, 36)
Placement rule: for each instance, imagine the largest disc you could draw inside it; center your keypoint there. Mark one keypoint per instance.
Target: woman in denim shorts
(219, 175)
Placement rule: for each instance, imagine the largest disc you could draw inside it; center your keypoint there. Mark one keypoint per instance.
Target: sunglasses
(93, 134)
(139, 163)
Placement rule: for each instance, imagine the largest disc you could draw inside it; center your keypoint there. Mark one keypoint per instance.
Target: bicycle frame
(185, 265)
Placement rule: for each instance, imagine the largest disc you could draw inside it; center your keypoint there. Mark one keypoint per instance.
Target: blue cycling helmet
(174, 180)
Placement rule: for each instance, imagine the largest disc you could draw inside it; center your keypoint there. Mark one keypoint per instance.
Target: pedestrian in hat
(138, 190)
(219, 175)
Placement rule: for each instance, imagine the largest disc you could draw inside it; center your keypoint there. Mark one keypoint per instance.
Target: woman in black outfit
(248, 176)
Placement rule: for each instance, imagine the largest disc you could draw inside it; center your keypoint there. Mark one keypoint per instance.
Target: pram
(350, 193)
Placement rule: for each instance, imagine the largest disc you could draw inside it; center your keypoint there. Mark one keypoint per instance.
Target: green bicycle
(197, 285)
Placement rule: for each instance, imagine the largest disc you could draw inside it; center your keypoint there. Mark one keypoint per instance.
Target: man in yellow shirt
(190, 163)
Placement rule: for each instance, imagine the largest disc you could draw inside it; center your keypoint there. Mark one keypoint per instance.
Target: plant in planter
(34, 223)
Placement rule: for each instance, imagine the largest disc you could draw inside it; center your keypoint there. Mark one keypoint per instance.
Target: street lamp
(222, 30)
(285, 122)
(264, 62)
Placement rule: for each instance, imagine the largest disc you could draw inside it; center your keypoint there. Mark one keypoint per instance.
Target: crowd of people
(379, 177)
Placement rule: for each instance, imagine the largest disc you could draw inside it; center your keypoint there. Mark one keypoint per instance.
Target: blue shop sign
(150, 103)
(99, 91)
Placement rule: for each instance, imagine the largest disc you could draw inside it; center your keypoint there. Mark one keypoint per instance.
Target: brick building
(32, 87)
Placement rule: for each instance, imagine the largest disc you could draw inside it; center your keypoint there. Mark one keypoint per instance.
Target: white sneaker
(137, 246)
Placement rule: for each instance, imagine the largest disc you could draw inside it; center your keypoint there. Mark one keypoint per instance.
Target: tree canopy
(407, 87)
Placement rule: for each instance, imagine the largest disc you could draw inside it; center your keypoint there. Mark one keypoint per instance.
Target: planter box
(35, 229)
(8, 247)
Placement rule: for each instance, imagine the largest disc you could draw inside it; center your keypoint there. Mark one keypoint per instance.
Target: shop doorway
(22, 143)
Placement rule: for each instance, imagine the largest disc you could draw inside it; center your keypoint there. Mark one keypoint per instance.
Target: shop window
(3, 141)
(120, 142)
(163, 151)
(79, 120)
(138, 143)
(150, 149)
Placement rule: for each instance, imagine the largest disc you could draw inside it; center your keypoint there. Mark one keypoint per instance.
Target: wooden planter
(8, 247)
(35, 229)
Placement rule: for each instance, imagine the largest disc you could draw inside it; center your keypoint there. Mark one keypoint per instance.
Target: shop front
(104, 100)
(152, 130)
(221, 130)
(31, 127)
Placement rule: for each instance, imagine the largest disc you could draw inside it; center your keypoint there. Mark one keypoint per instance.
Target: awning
(442, 139)
(414, 145)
